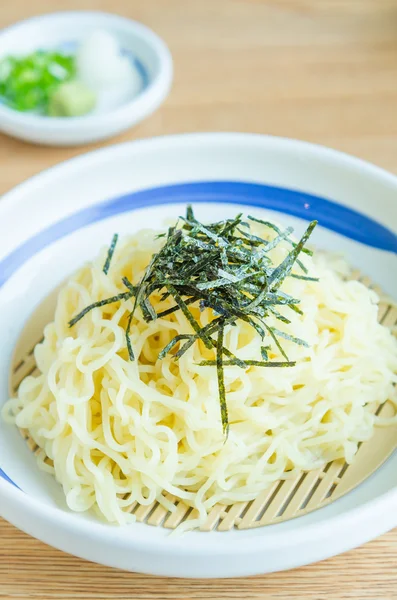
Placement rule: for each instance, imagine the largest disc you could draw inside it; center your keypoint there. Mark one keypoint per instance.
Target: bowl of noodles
(200, 355)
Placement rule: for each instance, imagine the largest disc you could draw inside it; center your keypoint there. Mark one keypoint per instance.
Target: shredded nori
(110, 253)
(249, 363)
(223, 267)
(221, 379)
(80, 315)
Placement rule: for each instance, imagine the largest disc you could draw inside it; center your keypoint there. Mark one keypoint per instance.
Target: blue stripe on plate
(330, 215)
(5, 476)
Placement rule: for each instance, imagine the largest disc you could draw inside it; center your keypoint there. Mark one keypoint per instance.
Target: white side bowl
(54, 30)
(70, 210)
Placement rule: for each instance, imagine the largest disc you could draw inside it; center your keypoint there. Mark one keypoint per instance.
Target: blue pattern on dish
(331, 215)
(5, 476)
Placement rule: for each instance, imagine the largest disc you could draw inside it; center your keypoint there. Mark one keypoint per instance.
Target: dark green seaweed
(249, 363)
(80, 315)
(221, 380)
(110, 253)
(223, 267)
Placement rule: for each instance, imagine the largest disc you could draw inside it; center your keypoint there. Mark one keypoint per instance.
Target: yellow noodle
(120, 432)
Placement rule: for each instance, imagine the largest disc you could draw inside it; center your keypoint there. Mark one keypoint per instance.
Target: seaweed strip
(111, 250)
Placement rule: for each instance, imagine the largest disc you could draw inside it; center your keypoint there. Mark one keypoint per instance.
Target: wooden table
(321, 70)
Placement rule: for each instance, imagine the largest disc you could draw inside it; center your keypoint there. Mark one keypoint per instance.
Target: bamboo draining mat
(322, 70)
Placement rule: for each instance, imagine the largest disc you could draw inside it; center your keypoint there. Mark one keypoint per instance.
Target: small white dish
(73, 208)
(149, 53)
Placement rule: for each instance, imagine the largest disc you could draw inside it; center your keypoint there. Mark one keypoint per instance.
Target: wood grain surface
(320, 70)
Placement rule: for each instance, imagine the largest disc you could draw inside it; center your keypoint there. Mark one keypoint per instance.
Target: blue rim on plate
(330, 214)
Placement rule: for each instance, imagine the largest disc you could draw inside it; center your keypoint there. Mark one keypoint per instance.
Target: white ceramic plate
(55, 221)
(64, 30)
